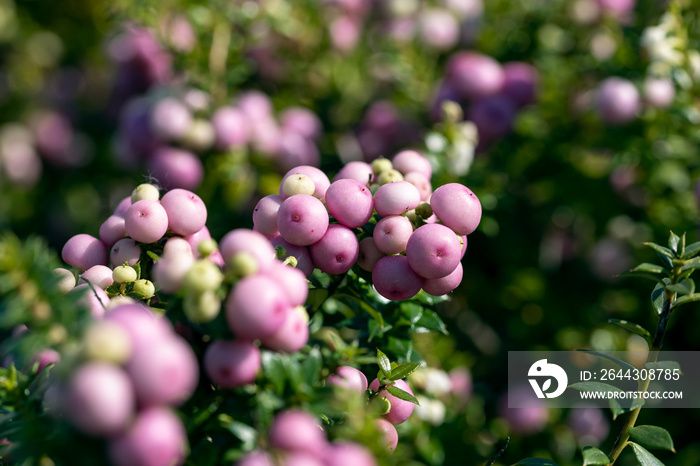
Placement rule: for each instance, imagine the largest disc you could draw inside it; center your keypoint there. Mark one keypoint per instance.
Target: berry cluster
(378, 217)
(133, 368)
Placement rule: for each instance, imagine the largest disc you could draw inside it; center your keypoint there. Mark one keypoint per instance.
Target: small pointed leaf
(631, 327)
(691, 250)
(658, 296)
(646, 267)
(660, 249)
(685, 300)
(652, 437)
(384, 364)
(594, 457)
(685, 287)
(402, 395)
(692, 265)
(673, 241)
(634, 273)
(644, 457)
(404, 370)
(535, 462)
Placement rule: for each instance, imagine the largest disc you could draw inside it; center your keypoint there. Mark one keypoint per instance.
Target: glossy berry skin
(232, 363)
(617, 101)
(394, 278)
(291, 336)
(349, 378)
(100, 399)
(265, 215)
(408, 161)
(350, 202)
(391, 234)
(348, 454)
(474, 75)
(433, 251)
(337, 251)
(443, 285)
(355, 170)
(422, 183)
(146, 221)
(400, 409)
(186, 211)
(389, 435)
(98, 275)
(156, 438)
(297, 431)
(321, 181)
(165, 372)
(302, 219)
(83, 251)
(301, 253)
(457, 207)
(112, 230)
(396, 198)
(255, 243)
(256, 308)
(125, 250)
(369, 254)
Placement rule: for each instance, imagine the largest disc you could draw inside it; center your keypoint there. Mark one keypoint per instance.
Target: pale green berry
(382, 405)
(124, 274)
(202, 307)
(107, 341)
(203, 276)
(206, 247)
(66, 280)
(298, 184)
(145, 191)
(389, 177)
(424, 210)
(243, 263)
(301, 310)
(381, 165)
(119, 300)
(411, 215)
(144, 288)
(451, 111)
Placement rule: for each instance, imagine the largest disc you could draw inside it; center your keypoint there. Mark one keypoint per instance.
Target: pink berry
(408, 161)
(659, 92)
(302, 219)
(255, 243)
(349, 378)
(265, 215)
(156, 438)
(520, 83)
(232, 363)
(443, 285)
(112, 230)
(400, 409)
(292, 281)
(256, 458)
(100, 399)
(46, 357)
(125, 250)
(297, 431)
(391, 234)
(122, 207)
(300, 253)
(358, 171)
(389, 435)
(394, 278)
(95, 301)
(350, 202)
(256, 307)
(170, 119)
(528, 419)
(348, 454)
(421, 183)
(337, 251)
(301, 121)
(617, 101)
(291, 336)
(176, 168)
(231, 128)
(457, 207)
(369, 254)
(83, 251)
(142, 326)
(319, 178)
(186, 211)
(433, 251)
(98, 275)
(146, 221)
(165, 372)
(474, 75)
(396, 198)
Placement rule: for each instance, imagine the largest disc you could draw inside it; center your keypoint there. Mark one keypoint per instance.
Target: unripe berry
(145, 191)
(381, 405)
(65, 280)
(243, 263)
(202, 307)
(203, 276)
(389, 176)
(144, 288)
(207, 247)
(298, 184)
(424, 210)
(381, 165)
(124, 274)
(400, 409)
(108, 342)
(321, 181)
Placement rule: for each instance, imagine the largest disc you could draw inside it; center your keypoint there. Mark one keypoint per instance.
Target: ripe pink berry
(617, 101)
(256, 307)
(457, 207)
(46, 357)
(125, 250)
(337, 251)
(391, 234)
(394, 278)
(348, 454)
(83, 251)
(98, 275)
(350, 202)
(100, 399)
(421, 183)
(256, 458)
(112, 230)
(170, 119)
(396, 198)
(301, 121)
(319, 178)
(474, 75)
(232, 363)
(176, 168)
(358, 171)
(186, 211)
(400, 409)
(231, 128)
(408, 161)
(443, 285)
(302, 219)
(165, 372)
(146, 221)
(292, 281)
(156, 438)
(122, 207)
(95, 301)
(369, 254)
(265, 215)
(300, 253)
(433, 251)
(250, 241)
(349, 378)
(291, 336)
(389, 435)
(142, 326)
(297, 431)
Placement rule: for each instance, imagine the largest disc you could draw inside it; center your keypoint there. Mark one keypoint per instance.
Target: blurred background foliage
(568, 200)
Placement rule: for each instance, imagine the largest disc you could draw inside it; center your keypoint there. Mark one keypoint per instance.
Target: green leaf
(671, 365)
(273, 368)
(692, 265)
(652, 437)
(634, 273)
(646, 267)
(246, 434)
(660, 249)
(412, 311)
(685, 300)
(431, 321)
(673, 241)
(311, 366)
(535, 462)
(316, 297)
(631, 327)
(685, 287)
(384, 364)
(624, 364)
(404, 370)
(667, 261)
(644, 457)
(402, 395)
(658, 296)
(593, 456)
(691, 250)
(153, 255)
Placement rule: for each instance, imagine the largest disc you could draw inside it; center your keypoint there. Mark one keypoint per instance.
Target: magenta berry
(265, 215)
(457, 207)
(396, 198)
(433, 251)
(400, 409)
(350, 202)
(251, 241)
(112, 230)
(297, 431)
(291, 336)
(337, 251)
(349, 378)
(186, 212)
(256, 307)
(302, 219)
(232, 363)
(474, 75)
(391, 234)
(394, 278)
(443, 285)
(146, 221)
(390, 437)
(83, 251)
(125, 250)
(520, 82)
(98, 275)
